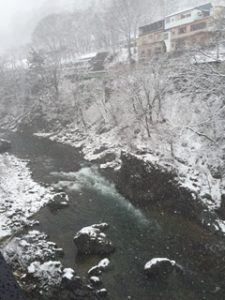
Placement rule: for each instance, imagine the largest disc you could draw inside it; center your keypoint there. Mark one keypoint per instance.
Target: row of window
(178, 17)
(181, 30)
(149, 52)
(151, 27)
(153, 38)
(186, 15)
(193, 27)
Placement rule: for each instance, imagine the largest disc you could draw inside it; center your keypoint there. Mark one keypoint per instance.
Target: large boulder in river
(92, 240)
(4, 145)
(160, 268)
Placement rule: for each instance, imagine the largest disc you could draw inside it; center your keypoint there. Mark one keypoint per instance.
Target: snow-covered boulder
(4, 145)
(104, 264)
(160, 268)
(48, 274)
(102, 293)
(92, 240)
(99, 268)
(71, 281)
(36, 263)
(94, 271)
(31, 247)
(95, 281)
(68, 274)
(59, 201)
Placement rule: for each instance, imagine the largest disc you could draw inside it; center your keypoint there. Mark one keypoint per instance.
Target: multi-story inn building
(151, 39)
(177, 31)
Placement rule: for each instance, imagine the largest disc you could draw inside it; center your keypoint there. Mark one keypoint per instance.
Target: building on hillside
(188, 28)
(178, 31)
(151, 40)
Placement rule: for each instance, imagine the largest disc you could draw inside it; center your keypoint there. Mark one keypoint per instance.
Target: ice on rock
(155, 261)
(104, 264)
(68, 273)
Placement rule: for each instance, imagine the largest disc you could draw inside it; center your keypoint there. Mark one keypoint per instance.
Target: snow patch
(68, 273)
(155, 261)
(104, 263)
(49, 273)
(20, 196)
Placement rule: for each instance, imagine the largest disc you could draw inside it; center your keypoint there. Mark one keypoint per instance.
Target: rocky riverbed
(34, 259)
(79, 203)
(20, 196)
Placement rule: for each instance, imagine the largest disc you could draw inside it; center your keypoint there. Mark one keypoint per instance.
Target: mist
(19, 18)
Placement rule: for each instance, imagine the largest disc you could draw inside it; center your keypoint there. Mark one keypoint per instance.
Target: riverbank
(138, 231)
(20, 196)
(35, 260)
(196, 180)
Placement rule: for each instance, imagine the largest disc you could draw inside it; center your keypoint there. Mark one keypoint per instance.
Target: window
(166, 36)
(184, 16)
(168, 20)
(182, 30)
(198, 26)
(149, 52)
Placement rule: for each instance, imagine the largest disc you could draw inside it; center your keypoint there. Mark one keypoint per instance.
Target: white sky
(19, 17)
(15, 13)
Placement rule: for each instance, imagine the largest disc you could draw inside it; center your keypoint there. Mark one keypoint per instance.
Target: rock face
(149, 185)
(4, 145)
(160, 268)
(92, 240)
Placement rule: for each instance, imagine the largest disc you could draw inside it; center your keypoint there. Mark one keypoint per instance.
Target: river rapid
(138, 235)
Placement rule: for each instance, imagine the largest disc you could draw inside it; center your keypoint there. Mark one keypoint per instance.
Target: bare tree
(217, 26)
(124, 16)
(147, 88)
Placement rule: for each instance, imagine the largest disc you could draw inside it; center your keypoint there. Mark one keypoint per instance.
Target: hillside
(166, 113)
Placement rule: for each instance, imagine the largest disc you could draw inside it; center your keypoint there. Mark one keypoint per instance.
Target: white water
(91, 179)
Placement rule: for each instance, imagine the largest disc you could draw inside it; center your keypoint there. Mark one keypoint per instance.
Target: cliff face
(157, 188)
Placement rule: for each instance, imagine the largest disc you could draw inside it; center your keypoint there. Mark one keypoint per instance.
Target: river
(138, 235)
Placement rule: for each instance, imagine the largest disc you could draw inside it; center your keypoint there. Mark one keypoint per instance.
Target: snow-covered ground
(192, 168)
(20, 196)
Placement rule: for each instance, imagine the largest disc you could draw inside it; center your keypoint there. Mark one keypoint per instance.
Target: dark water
(138, 236)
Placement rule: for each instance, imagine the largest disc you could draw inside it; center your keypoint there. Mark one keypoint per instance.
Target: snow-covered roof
(203, 7)
(88, 56)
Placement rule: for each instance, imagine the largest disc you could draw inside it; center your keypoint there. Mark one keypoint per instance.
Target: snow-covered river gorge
(138, 235)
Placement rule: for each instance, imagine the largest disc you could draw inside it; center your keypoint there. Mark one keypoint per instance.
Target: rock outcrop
(160, 268)
(92, 240)
(152, 186)
(36, 264)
